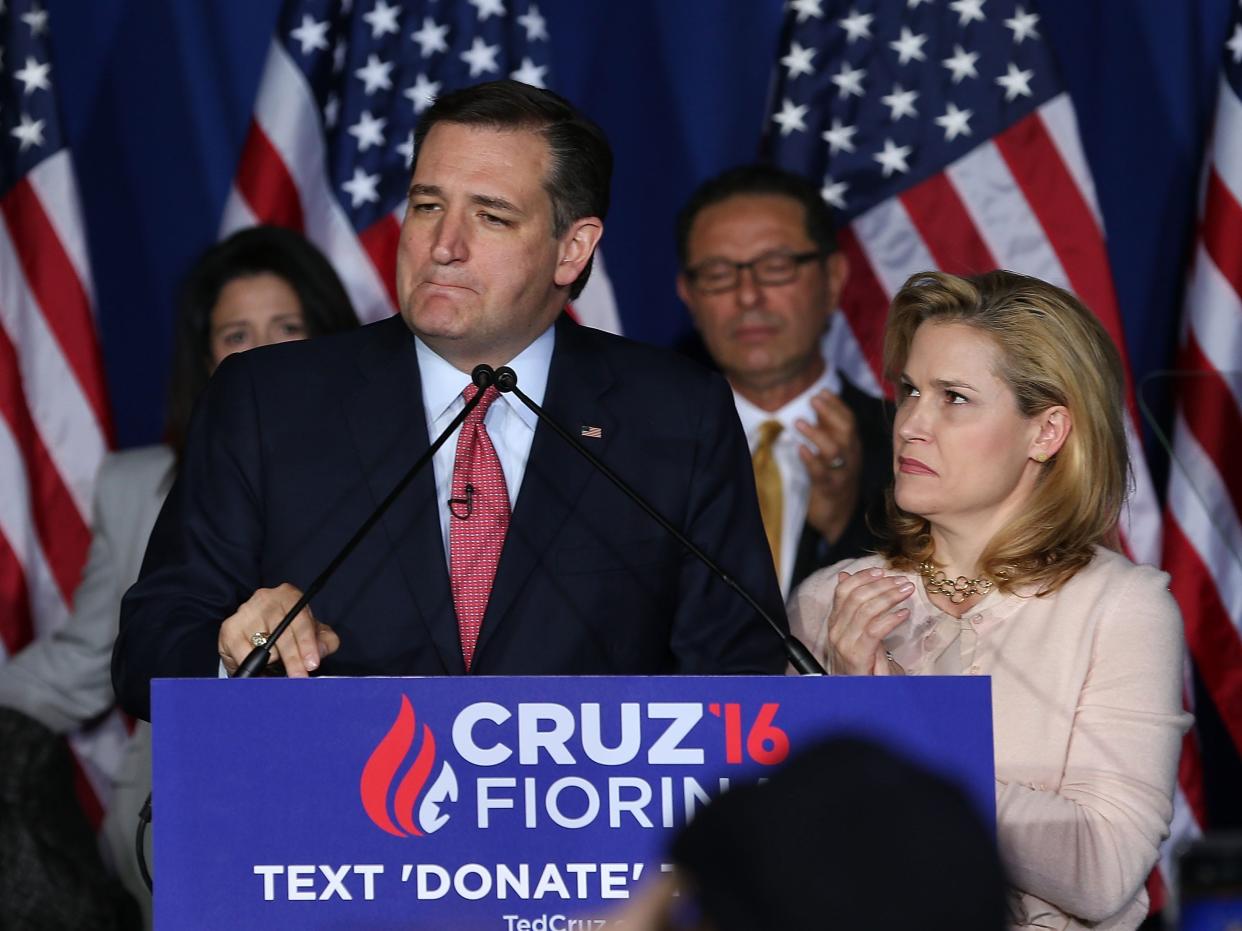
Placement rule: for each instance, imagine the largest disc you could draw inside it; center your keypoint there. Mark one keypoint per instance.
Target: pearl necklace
(956, 590)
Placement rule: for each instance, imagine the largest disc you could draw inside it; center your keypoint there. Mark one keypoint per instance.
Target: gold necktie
(768, 485)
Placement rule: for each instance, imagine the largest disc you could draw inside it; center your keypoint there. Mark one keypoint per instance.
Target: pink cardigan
(1088, 722)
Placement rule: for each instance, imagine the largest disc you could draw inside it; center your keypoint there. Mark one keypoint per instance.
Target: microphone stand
(253, 664)
(795, 650)
(256, 660)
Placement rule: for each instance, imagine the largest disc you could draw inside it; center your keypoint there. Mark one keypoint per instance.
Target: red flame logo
(381, 770)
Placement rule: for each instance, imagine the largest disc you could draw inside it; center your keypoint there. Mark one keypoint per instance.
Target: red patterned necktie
(479, 520)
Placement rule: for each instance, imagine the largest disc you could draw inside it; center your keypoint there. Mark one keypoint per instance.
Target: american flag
(55, 424)
(1203, 532)
(943, 138)
(332, 137)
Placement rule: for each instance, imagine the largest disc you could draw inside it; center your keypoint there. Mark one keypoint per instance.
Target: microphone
(795, 650)
(483, 376)
(256, 660)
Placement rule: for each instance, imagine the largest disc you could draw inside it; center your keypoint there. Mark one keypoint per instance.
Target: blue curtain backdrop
(158, 95)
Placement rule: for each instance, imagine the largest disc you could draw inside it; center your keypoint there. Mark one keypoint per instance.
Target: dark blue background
(157, 95)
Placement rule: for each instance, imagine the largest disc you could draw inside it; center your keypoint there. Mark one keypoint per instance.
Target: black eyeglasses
(776, 267)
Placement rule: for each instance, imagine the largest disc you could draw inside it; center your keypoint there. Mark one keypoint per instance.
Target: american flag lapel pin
(592, 433)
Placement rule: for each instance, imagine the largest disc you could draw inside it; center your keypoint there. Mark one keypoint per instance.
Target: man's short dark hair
(758, 179)
(578, 182)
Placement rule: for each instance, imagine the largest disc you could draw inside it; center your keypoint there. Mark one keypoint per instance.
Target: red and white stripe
(55, 424)
(1203, 546)
(282, 179)
(1024, 201)
(54, 420)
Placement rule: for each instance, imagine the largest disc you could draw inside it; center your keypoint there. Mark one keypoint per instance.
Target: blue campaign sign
(488, 803)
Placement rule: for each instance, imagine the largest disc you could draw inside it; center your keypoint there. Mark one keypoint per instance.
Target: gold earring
(1041, 457)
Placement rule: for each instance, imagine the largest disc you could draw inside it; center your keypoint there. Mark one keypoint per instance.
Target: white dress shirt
(510, 423)
(795, 484)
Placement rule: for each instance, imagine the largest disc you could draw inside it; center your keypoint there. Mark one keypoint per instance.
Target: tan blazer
(1087, 718)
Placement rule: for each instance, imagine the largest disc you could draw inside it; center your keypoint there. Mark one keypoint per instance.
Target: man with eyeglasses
(761, 277)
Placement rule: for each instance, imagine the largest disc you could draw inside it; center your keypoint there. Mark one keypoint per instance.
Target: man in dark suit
(511, 555)
(761, 275)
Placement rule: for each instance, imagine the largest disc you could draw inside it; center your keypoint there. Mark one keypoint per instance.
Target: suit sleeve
(1088, 846)
(203, 557)
(62, 680)
(714, 629)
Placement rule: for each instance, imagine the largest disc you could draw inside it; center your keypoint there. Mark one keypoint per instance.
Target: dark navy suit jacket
(293, 445)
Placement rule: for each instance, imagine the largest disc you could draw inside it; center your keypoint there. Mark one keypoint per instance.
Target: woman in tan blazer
(1010, 470)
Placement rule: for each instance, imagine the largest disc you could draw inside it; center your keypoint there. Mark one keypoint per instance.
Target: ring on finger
(259, 638)
(836, 462)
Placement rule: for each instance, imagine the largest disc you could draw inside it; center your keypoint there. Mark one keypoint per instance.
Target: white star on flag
(1235, 43)
(481, 57)
(955, 122)
(369, 131)
(30, 132)
(900, 103)
(909, 47)
(798, 61)
(423, 93)
(36, 19)
(338, 56)
(893, 158)
(1023, 25)
(534, 24)
(856, 25)
(311, 35)
(833, 192)
(406, 149)
(849, 80)
(34, 75)
(806, 9)
(530, 73)
(1017, 83)
(791, 117)
(840, 138)
(967, 11)
(383, 19)
(962, 64)
(331, 110)
(361, 188)
(431, 37)
(375, 74)
(914, 4)
(488, 8)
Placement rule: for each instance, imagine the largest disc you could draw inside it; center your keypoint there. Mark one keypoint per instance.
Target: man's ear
(838, 274)
(683, 291)
(576, 248)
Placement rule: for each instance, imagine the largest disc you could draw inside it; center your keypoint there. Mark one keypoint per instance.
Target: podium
(514, 803)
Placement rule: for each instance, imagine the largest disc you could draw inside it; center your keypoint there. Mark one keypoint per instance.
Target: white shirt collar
(798, 408)
(443, 383)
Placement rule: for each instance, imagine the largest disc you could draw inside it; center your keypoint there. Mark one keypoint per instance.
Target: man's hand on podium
(300, 648)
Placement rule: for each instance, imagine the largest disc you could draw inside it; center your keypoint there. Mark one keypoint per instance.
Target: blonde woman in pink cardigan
(1010, 471)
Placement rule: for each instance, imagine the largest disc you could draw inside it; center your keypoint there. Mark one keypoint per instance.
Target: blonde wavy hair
(1053, 351)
